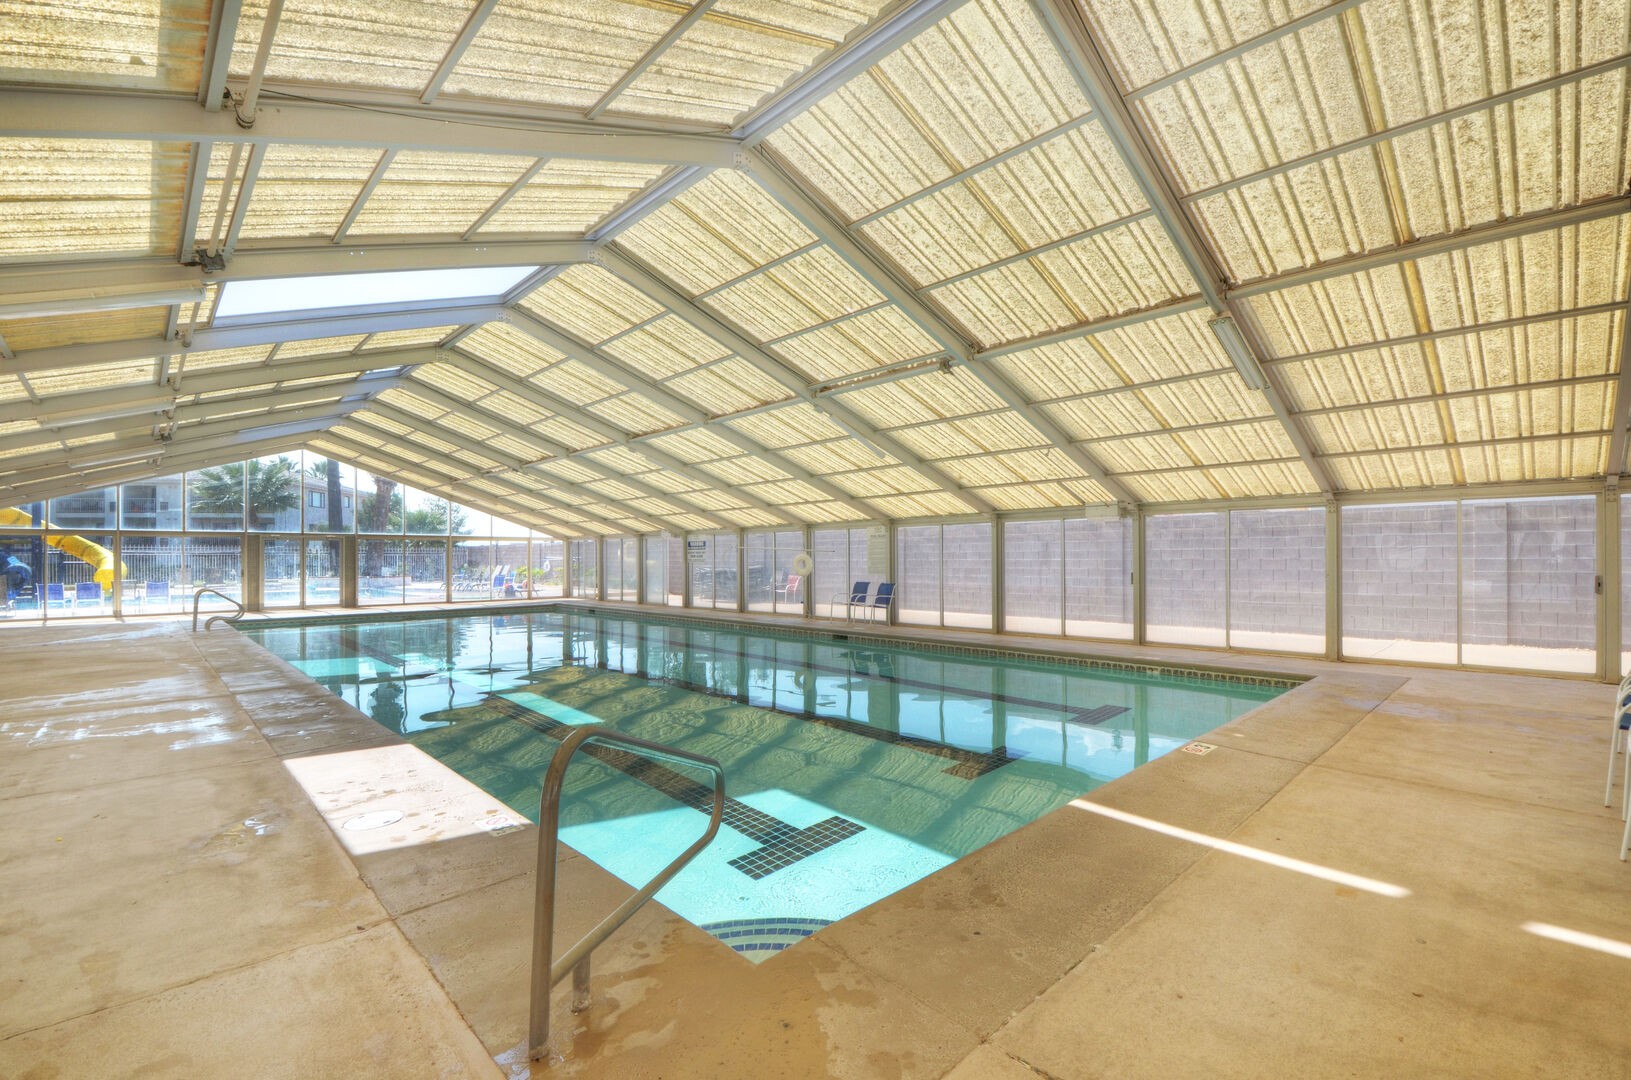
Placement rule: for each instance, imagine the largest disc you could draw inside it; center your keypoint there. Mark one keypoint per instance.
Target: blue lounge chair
(156, 590)
(856, 597)
(54, 595)
(87, 592)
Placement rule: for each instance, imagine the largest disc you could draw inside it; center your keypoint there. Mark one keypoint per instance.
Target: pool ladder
(213, 619)
(576, 959)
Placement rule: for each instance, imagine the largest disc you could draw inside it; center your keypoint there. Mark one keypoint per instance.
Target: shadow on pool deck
(197, 916)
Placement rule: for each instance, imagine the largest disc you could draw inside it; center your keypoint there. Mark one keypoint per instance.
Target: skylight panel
(332, 291)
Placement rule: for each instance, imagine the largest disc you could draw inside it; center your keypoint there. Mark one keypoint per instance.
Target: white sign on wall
(696, 550)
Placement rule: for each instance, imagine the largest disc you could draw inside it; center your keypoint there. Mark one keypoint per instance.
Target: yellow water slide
(77, 546)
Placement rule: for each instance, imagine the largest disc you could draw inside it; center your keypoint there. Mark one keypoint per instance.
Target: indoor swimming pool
(853, 768)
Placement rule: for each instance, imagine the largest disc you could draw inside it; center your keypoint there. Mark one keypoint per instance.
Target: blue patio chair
(54, 595)
(856, 597)
(881, 601)
(155, 590)
(88, 592)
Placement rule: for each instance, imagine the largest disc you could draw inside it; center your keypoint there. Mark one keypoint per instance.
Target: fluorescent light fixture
(154, 451)
(75, 301)
(328, 292)
(1103, 511)
(1228, 335)
(86, 414)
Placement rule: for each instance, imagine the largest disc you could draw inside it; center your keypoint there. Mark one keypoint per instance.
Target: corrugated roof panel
(215, 359)
(476, 460)
(1149, 39)
(696, 444)
(352, 42)
(462, 384)
(569, 196)
(300, 191)
(431, 192)
(509, 349)
(937, 394)
(129, 44)
(50, 331)
(790, 425)
(1010, 497)
(96, 377)
(736, 55)
(727, 387)
(11, 388)
(382, 422)
(1577, 266)
(518, 409)
(928, 504)
(718, 229)
(68, 196)
(1496, 415)
(870, 340)
(565, 432)
(576, 382)
(750, 518)
(811, 288)
(791, 493)
(329, 346)
(467, 426)
(406, 339)
(634, 414)
(821, 513)
(589, 302)
(557, 52)
(982, 80)
(873, 483)
(665, 348)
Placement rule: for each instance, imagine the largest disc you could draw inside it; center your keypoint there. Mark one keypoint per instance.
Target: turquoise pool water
(852, 769)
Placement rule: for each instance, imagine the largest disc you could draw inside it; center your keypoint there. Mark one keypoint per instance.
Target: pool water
(852, 770)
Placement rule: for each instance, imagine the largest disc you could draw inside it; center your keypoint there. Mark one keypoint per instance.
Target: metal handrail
(234, 617)
(576, 959)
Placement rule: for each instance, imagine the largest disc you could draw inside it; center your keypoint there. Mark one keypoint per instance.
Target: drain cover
(374, 819)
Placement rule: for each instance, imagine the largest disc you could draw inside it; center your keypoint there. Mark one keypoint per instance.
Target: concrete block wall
(1184, 569)
(1277, 571)
(1099, 570)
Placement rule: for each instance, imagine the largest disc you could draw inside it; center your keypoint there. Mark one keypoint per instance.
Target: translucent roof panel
(72, 196)
(717, 230)
(873, 339)
(300, 191)
(794, 295)
(50, 331)
(571, 196)
(979, 82)
(428, 192)
(590, 302)
(557, 52)
(352, 43)
(738, 53)
(129, 44)
(1543, 272)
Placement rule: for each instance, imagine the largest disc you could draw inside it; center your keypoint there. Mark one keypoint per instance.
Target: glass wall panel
(511, 557)
(843, 558)
(917, 568)
(1528, 583)
(280, 571)
(699, 559)
(656, 561)
(759, 562)
(1277, 580)
(379, 505)
(274, 488)
(468, 521)
(214, 562)
(548, 567)
(215, 498)
(79, 574)
(1033, 576)
(156, 581)
(22, 567)
(966, 581)
(1625, 589)
(152, 504)
(323, 573)
(1398, 582)
(620, 555)
(1099, 578)
(790, 586)
(1185, 569)
(582, 569)
(678, 571)
(725, 584)
(477, 574)
(426, 571)
(97, 509)
(382, 572)
(427, 515)
(330, 497)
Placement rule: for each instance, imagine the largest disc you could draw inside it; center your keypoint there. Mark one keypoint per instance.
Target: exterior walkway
(1385, 872)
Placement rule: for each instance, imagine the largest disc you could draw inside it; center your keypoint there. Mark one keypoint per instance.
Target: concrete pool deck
(1376, 874)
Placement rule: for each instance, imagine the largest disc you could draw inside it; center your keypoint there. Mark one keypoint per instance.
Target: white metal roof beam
(271, 333)
(223, 32)
(1469, 330)
(861, 51)
(1510, 229)
(159, 464)
(653, 198)
(695, 416)
(456, 51)
(820, 220)
(513, 464)
(1622, 403)
(1267, 37)
(656, 289)
(350, 450)
(660, 46)
(1081, 54)
(89, 114)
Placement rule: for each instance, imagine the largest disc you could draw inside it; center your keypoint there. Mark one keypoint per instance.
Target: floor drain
(374, 819)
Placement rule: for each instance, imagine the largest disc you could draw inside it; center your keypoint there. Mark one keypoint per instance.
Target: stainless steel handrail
(234, 617)
(576, 959)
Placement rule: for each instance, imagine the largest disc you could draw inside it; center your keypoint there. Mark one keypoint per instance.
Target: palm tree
(273, 487)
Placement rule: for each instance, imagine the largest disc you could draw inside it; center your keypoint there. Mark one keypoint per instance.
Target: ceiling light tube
(1228, 335)
(155, 451)
(87, 413)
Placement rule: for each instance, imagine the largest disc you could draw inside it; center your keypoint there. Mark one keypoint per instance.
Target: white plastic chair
(1618, 730)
